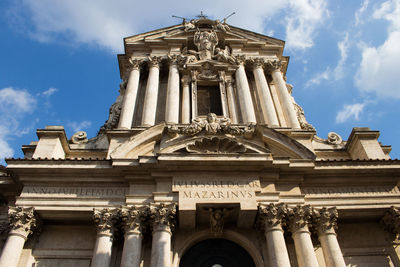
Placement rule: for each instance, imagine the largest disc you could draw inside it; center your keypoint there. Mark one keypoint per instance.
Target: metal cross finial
(201, 16)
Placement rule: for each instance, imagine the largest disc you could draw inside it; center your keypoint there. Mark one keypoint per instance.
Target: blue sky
(59, 67)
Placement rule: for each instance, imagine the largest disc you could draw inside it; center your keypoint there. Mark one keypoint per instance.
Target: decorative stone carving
(207, 72)
(222, 26)
(133, 218)
(114, 114)
(212, 125)
(302, 118)
(22, 220)
(163, 216)
(391, 221)
(205, 42)
(257, 62)
(105, 220)
(299, 218)
(189, 25)
(334, 138)
(217, 217)
(154, 61)
(216, 145)
(188, 56)
(79, 137)
(272, 216)
(273, 64)
(325, 220)
(240, 59)
(224, 55)
(134, 63)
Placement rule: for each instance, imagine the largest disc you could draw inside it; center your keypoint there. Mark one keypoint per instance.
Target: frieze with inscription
(351, 190)
(84, 192)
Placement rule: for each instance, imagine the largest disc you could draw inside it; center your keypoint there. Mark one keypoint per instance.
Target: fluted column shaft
(172, 105)
(22, 221)
(104, 239)
(163, 218)
(151, 95)
(267, 104)
(185, 99)
(231, 102)
(244, 95)
(272, 216)
(299, 218)
(129, 100)
(286, 101)
(325, 224)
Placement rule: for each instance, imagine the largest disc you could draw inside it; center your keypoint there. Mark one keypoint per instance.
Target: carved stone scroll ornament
(212, 126)
(334, 138)
(22, 221)
(133, 218)
(163, 216)
(391, 221)
(273, 65)
(216, 145)
(79, 137)
(105, 220)
(299, 218)
(272, 216)
(325, 220)
(302, 118)
(154, 61)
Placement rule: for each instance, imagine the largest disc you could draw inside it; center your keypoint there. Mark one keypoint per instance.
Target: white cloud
(49, 92)
(302, 22)
(360, 12)
(349, 111)
(338, 72)
(16, 103)
(104, 22)
(379, 71)
(79, 126)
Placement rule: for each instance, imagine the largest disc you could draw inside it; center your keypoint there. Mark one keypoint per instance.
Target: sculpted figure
(205, 42)
(224, 55)
(212, 126)
(189, 56)
(222, 26)
(188, 25)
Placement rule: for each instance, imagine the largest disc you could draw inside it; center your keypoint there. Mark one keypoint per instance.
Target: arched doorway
(216, 252)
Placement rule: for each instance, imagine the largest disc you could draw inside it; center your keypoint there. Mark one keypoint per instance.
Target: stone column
(231, 102)
(151, 95)
(132, 221)
(104, 220)
(131, 92)
(284, 96)
(325, 222)
(244, 95)
(22, 222)
(272, 217)
(185, 99)
(172, 104)
(163, 222)
(299, 218)
(267, 104)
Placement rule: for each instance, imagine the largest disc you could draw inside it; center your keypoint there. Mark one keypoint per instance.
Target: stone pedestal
(129, 100)
(22, 221)
(151, 95)
(271, 217)
(286, 102)
(172, 104)
(299, 218)
(104, 219)
(244, 96)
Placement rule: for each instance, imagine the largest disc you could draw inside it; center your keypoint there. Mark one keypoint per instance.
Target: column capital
(273, 65)
(272, 216)
(325, 220)
(135, 63)
(185, 80)
(174, 59)
(22, 221)
(163, 217)
(257, 62)
(240, 59)
(299, 218)
(154, 61)
(391, 220)
(105, 220)
(133, 219)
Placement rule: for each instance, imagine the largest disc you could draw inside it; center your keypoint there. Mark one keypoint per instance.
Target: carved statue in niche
(205, 42)
(217, 217)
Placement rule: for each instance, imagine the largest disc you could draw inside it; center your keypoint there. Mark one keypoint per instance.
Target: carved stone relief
(216, 145)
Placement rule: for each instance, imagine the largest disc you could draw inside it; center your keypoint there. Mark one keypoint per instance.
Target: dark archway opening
(216, 253)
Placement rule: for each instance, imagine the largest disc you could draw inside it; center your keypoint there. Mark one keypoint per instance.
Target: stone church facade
(205, 160)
